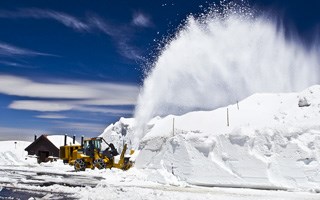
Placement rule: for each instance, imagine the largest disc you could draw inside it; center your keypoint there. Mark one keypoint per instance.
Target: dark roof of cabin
(42, 138)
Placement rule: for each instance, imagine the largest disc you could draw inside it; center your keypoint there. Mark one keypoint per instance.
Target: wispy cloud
(128, 50)
(51, 116)
(140, 19)
(11, 50)
(111, 93)
(14, 64)
(91, 23)
(96, 22)
(120, 34)
(79, 127)
(36, 105)
(65, 96)
(26, 134)
(35, 13)
(58, 106)
(110, 111)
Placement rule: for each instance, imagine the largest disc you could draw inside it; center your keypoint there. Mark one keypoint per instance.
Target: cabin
(47, 147)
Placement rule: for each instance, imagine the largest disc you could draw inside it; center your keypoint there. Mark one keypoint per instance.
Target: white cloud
(58, 106)
(51, 116)
(79, 127)
(111, 93)
(13, 64)
(25, 134)
(10, 50)
(39, 106)
(100, 24)
(88, 25)
(128, 50)
(140, 19)
(120, 34)
(110, 111)
(35, 13)
(65, 19)
(13, 85)
(65, 96)
(92, 23)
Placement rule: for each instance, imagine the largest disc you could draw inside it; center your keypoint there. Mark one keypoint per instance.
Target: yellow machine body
(90, 155)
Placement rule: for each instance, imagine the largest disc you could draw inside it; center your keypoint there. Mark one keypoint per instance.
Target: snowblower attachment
(90, 155)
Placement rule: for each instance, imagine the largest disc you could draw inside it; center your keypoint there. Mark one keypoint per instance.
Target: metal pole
(173, 126)
(227, 116)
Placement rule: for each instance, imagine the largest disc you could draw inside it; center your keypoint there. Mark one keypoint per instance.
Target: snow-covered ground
(58, 181)
(270, 150)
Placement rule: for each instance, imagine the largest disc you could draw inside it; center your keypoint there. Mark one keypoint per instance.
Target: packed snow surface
(272, 141)
(54, 180)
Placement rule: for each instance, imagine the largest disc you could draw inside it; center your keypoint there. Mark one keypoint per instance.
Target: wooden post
(238, 105)
(227, 116)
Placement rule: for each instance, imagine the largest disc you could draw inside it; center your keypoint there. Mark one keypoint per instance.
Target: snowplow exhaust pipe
(82, 140)
(65, 140)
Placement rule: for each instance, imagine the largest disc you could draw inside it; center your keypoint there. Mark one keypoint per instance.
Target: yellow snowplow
(90, 155)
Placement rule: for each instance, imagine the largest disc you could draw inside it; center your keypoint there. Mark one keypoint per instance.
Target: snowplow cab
(91, 155)
(90, 145)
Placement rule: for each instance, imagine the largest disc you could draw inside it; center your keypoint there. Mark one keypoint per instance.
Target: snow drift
(272, 141)
(13, 153)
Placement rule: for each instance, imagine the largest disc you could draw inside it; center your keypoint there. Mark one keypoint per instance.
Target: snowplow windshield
(95, 144)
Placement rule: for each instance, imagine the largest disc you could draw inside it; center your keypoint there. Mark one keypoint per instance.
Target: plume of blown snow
(219, 58)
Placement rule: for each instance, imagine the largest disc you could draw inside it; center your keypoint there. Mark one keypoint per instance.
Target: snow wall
(272, 141)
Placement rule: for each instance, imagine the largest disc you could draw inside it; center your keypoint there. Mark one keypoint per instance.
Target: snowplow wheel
(99, 163)
(79, 165)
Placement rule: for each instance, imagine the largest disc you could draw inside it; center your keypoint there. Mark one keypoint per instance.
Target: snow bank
(13, 153)
(272, 141)
(119, 133)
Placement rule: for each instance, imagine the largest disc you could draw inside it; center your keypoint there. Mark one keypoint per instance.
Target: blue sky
(76, 66)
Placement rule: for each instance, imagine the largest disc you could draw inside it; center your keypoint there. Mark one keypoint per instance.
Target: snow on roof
(58, 140)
